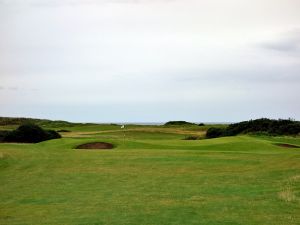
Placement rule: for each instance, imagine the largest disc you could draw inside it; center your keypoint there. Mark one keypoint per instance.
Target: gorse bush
(215, 132)
(30, 133)
(262, 126)
(178, 123)
(3, 133)
(272, 127)
(52, 134)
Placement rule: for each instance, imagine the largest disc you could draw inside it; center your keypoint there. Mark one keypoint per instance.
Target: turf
(151, 177)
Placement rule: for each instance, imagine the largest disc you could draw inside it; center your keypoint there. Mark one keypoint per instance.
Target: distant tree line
(263, 125)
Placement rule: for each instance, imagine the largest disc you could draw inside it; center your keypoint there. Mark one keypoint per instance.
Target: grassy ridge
(4, 121)
(152, 177)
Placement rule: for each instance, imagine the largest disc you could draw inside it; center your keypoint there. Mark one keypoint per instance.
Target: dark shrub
(3, 133)
(178, 123)
(292, 129)
(52, 134)
(201, 124)
(215, 132)
(236, 128)
(261, 126)
(30, 133)
(272, 127)
(62, 131)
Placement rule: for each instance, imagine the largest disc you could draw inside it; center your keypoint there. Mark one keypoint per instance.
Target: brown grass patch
(287, 195)
(286, 145)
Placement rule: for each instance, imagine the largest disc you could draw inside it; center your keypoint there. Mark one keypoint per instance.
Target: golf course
(149, 175)
(149, 112)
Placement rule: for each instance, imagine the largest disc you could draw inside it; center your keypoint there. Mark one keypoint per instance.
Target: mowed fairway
(151, 177)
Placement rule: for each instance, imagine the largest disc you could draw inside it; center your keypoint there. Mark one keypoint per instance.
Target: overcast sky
(150, 60)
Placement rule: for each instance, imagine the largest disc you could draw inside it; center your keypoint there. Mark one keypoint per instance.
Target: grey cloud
(288, 42)
(49, 3)
(9, 88)
(285, 46)
(263, 75)
(13, 88)
(167, 61)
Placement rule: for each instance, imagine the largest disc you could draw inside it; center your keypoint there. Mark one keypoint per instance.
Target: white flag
(122, 127)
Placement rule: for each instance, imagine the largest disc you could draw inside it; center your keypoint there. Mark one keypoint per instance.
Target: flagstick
(123, 127)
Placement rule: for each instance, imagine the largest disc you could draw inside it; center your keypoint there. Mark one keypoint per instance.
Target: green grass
(151, 177)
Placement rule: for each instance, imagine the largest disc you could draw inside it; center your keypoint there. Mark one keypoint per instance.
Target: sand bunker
(96, 146)
(287, 145)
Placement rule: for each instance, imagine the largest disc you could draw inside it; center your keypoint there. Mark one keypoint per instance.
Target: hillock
(6, 121)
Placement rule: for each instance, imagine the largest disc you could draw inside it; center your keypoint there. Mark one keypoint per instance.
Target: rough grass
(152, 177)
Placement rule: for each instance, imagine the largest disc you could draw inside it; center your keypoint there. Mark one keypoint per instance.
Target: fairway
(151, 177)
